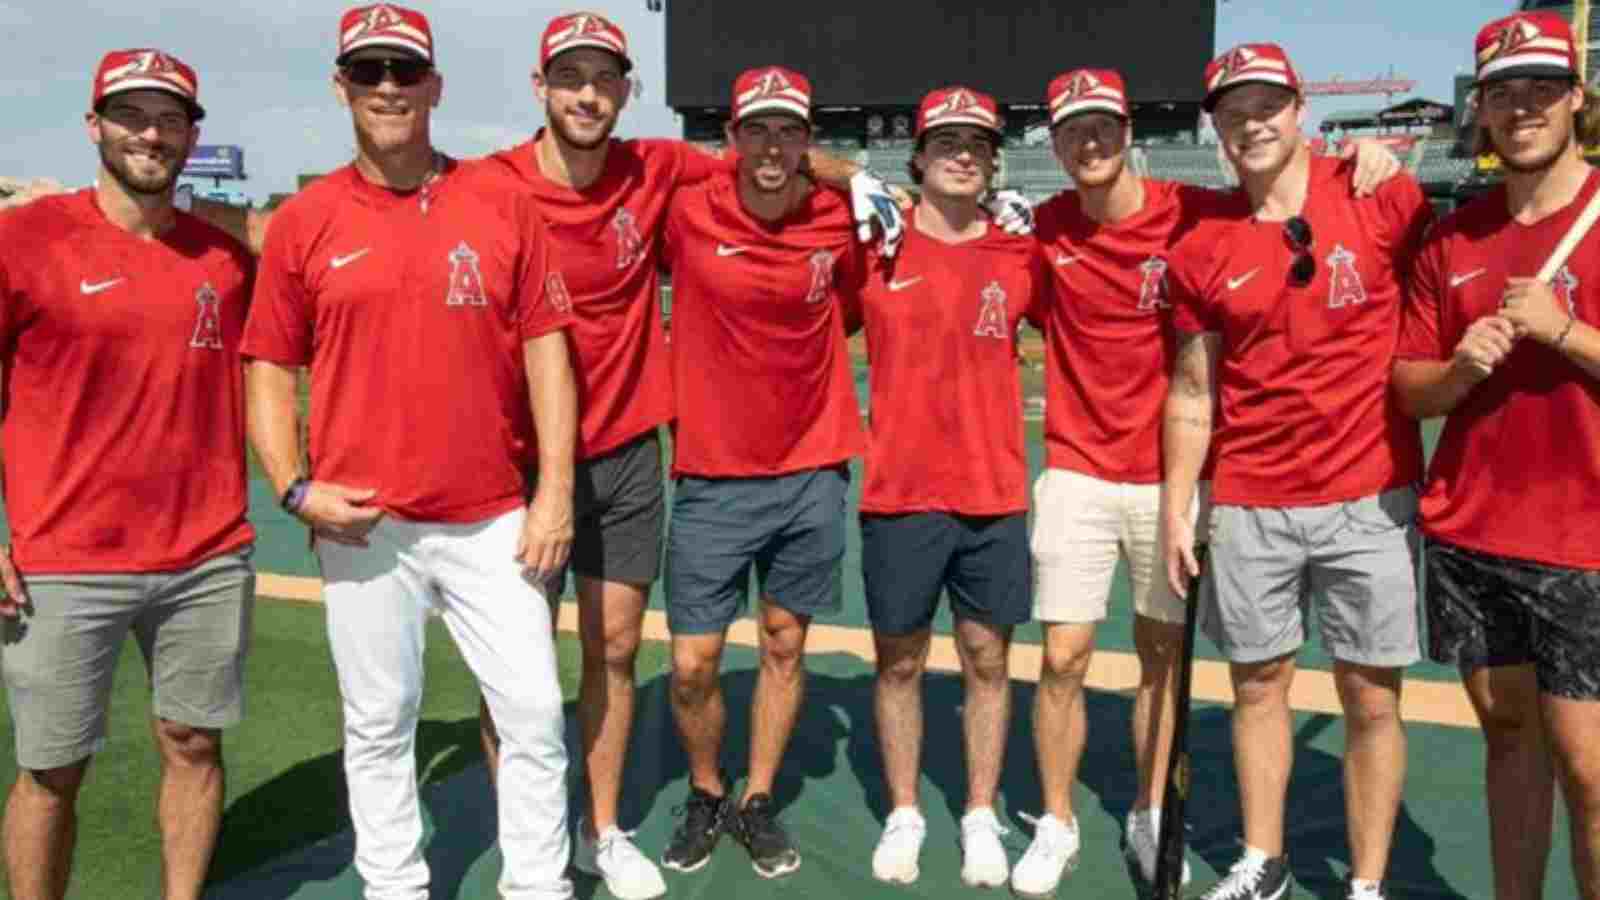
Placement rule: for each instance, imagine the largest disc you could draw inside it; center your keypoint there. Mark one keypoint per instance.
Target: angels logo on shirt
(1344, 282)
(466, 281)
(630, 245)
(992, 317)
(208, 320)
(555, 287)
(1153, 289)
(821, 276)
(1565, 286)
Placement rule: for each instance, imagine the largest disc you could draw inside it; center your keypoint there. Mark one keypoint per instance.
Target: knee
(1065, 667)
(783, 651)
(56, 787)
(899, 669)
(694, 678)
(187, 746)
(1264, 685)
(614, 651)
(1157, 646)
(989, 663)
(1508, 730)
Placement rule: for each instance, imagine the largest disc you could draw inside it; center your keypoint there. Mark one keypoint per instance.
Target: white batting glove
(870, 201)
(1011, 211)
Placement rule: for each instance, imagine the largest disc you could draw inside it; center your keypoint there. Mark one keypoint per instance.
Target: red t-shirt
(1517, 469)
(604, 241)
(1306, 416)
(946, 409)
(412, 317)
(760, 367)
(124, 425)
(1109, 340)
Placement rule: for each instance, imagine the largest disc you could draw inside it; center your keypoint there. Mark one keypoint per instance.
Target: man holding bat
(1286, 307)
(1513, 558)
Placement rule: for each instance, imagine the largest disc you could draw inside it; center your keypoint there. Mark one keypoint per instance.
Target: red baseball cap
(1526, 45)
(1087, 90)
(771, 89)
(1246, 64)
(958, 106)
(385, 25)
(145, 69)
(584, 29)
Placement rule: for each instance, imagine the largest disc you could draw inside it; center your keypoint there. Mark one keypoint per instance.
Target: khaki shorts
(1354, 563)
(1082, 526)
(192, 627)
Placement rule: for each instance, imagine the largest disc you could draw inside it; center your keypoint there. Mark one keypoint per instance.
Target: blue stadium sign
(215, 161)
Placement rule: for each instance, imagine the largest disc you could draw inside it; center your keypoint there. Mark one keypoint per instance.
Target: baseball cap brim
(196, 111)
(627, 64)
(773, 108)
(1210, 101)
(1531, 70)
(381, 44)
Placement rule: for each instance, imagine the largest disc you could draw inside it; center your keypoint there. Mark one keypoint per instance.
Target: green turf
(285, 782)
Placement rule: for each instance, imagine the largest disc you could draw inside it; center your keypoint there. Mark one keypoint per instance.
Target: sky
(264, 69)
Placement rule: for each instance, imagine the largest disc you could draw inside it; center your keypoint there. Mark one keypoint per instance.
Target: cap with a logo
(771, 89)
(145, 69)
(1526, 45)
(583, 29)
(1087, 90)
(384, 25)
(958, 106)
(1247, 64)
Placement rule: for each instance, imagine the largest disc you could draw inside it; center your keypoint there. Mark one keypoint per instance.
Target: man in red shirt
(1287, 306)
(945, 501)
(418, 291)
(1509, 507)
(767, 422)
(124, 478)
(605, 202)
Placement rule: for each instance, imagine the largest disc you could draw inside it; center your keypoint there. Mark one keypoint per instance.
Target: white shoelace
(1056, 841)
(1242, 878)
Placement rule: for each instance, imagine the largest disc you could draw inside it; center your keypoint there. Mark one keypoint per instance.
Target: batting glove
(870, 201)
(1011, 211)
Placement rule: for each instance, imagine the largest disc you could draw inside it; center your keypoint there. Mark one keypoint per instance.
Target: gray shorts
(790, 528)
(1357, 559)
(192, 626)
(619, 506)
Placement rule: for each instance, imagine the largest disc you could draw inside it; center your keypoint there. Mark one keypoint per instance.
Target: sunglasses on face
(1298, 232)
(370, 72)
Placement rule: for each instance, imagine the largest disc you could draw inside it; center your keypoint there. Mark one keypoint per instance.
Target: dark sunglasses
(1298, 232)
(369, 72)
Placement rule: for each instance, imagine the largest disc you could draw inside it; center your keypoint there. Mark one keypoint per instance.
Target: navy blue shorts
(908, 560)
(790, 528)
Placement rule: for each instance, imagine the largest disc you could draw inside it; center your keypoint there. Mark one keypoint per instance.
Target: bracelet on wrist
(1561, 339)
(294, 496)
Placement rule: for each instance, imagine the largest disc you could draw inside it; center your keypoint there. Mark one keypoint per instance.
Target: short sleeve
(1409, 217)
(1421, 335)
(279, 326)
(691, 163)
(1192, 313)
(543, 302)
(850, 280)
(1041, 290)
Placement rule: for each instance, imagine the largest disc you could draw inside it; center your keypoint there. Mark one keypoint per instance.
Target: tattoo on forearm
(1190, 420)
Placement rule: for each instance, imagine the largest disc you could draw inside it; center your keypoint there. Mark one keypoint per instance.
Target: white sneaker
(895, 860)
(1140, 842)
(629, 874)
(1053, 853)
(983, 857)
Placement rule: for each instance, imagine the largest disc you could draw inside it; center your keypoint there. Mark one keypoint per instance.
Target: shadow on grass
(293, 835)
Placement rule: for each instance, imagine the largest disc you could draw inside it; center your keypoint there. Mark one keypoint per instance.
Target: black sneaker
(771, 852)
(1253, 878)
(705, 817)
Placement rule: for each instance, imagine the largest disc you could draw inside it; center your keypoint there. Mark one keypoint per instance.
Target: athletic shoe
(705, 817)
(628, 873)
(983, 858)
(1140, 843)
(895, 860)
(1253, 877)
(756, 827)
(1364, 892)
(1053, 853)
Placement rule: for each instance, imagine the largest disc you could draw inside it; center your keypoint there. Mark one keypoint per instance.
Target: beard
(558, 127)
(1544, 161)
(149, 185)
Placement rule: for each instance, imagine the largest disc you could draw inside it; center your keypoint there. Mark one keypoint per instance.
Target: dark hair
(922, 141)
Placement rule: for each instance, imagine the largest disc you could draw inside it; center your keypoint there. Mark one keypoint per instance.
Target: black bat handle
(1170, 845)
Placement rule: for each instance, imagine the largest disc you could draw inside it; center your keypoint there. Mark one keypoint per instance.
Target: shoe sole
(984, 883)
(777, 871)
(679, 867)
(1069, 868)
(903, 876)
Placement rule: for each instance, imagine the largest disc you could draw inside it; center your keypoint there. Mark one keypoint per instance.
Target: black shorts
(618, 507)
(1486, 610)
(908, 560)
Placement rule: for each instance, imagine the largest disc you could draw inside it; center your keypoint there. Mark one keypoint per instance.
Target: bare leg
(1374, 763)
(986, 715)
(41, 831)
(1263, 749)
(897, 702)
(697, 705)
(780, 687)
(1060, 726)
(611, 624)
(1155, 704)
(1571, 727)
(1517, 777)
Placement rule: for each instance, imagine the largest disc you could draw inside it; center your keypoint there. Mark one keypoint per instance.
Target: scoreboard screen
(889, 54)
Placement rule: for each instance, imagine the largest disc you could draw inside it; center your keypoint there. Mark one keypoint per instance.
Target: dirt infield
(1439, 703)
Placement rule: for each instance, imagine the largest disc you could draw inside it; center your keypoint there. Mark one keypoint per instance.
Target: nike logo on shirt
(1235, 283)
(339, 262)
(1066, 260)
(727, 250)
(898, 285)
(1458, 280)
(96, 288)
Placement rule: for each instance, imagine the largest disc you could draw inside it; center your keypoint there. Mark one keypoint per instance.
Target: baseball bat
(1170, 846)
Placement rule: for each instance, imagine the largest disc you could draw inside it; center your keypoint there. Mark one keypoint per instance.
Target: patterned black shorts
(1486, 610)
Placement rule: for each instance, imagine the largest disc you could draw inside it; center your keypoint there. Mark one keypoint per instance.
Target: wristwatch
(294, 496)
